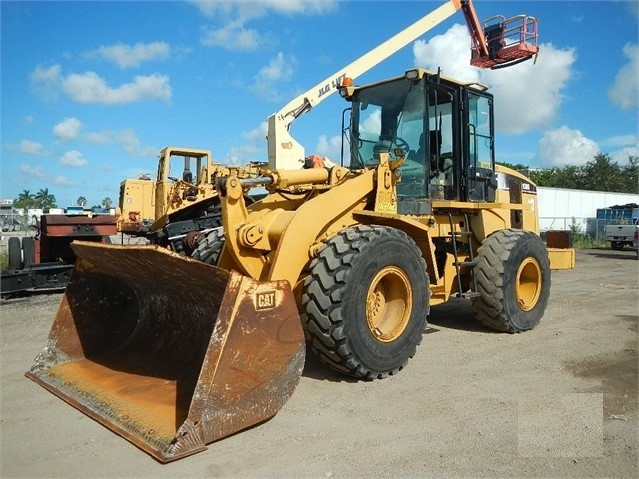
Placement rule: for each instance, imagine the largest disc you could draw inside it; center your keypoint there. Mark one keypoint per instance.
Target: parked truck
(620, 235)
(621, 223)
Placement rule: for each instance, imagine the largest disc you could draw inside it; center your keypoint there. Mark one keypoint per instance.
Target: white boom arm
(286, 153)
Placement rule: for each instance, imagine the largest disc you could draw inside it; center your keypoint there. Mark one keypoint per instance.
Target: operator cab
(444, 129)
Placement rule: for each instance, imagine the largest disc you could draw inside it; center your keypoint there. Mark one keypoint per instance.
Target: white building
(560, 208)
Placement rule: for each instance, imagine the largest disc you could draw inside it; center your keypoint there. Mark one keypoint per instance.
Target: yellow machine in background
(174, 352)
(143, 201)
(181, 204)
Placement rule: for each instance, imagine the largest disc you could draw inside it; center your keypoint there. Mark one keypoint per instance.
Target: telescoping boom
(497, 43)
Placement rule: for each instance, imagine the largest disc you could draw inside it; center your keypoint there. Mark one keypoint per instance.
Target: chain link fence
(585, 231)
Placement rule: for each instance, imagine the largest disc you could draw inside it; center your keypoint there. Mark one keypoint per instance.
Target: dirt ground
(558, 401)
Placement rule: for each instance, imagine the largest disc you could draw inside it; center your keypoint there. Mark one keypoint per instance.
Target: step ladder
(455, 235)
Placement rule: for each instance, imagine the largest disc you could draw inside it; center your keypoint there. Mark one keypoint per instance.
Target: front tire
(366, 301)
(513, 279)
(210, 247)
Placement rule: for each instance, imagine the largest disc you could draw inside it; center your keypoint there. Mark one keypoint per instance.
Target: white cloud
(622, 140)
(100, 137)
(527, 96)
(621, 156)
(331, 148)
(62, 181)
(621, 147)
(232, 36)
(149, 151)
(28, 147)
(245, 9)
(624, 89)
(257, 134)
(450, 51)
(89, 87)
(564, 146)
(73, 159)
(234, 14)
(41, 74)
(46, 82)
(68, 129)
(127, 138)
(254, 148)
(279, 69)
(127, 56)
(373, 122)
(241, 155)
(32, 171)
(308, 7)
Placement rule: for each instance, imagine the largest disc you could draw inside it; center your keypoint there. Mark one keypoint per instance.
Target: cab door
(479, 167)
(443, 141)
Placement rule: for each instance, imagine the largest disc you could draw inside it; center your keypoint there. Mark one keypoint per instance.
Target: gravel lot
(558, 401)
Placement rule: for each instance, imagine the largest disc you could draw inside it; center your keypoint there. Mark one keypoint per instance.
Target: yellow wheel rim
(528, 284)
(388, 304)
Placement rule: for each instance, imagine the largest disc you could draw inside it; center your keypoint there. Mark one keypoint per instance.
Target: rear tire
(15, 253)
(28, 250)
(513, 279)
(616, 245)
(210, 247)
(366, 301)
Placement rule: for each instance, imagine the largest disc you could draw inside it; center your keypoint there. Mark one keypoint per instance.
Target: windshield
(385, 117)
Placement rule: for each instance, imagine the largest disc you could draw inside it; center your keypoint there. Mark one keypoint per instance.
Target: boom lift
(174, 352)
(499, 42)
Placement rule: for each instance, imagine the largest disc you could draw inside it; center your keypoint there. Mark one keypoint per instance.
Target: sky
(92, 91)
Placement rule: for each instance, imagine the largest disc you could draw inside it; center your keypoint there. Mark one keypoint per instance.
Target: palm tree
(25, 200)
(45, 200)
(106, 203)
(81, 201)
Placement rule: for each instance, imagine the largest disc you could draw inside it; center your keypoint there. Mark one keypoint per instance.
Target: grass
(584, 241)
(4, 259)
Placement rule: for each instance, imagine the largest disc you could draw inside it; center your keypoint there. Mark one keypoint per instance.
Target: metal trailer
(45, 261)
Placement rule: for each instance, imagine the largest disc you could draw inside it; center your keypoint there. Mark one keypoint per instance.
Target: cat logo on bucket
(265, 300)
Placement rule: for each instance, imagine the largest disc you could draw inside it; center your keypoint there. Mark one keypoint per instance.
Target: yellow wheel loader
(174, 352)
(143, 201)
(181, 203)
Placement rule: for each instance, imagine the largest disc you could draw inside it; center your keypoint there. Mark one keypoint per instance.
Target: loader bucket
(168, 352)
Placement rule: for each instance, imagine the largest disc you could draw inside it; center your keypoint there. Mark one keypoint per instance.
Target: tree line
(45, 201)
(599, 174)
